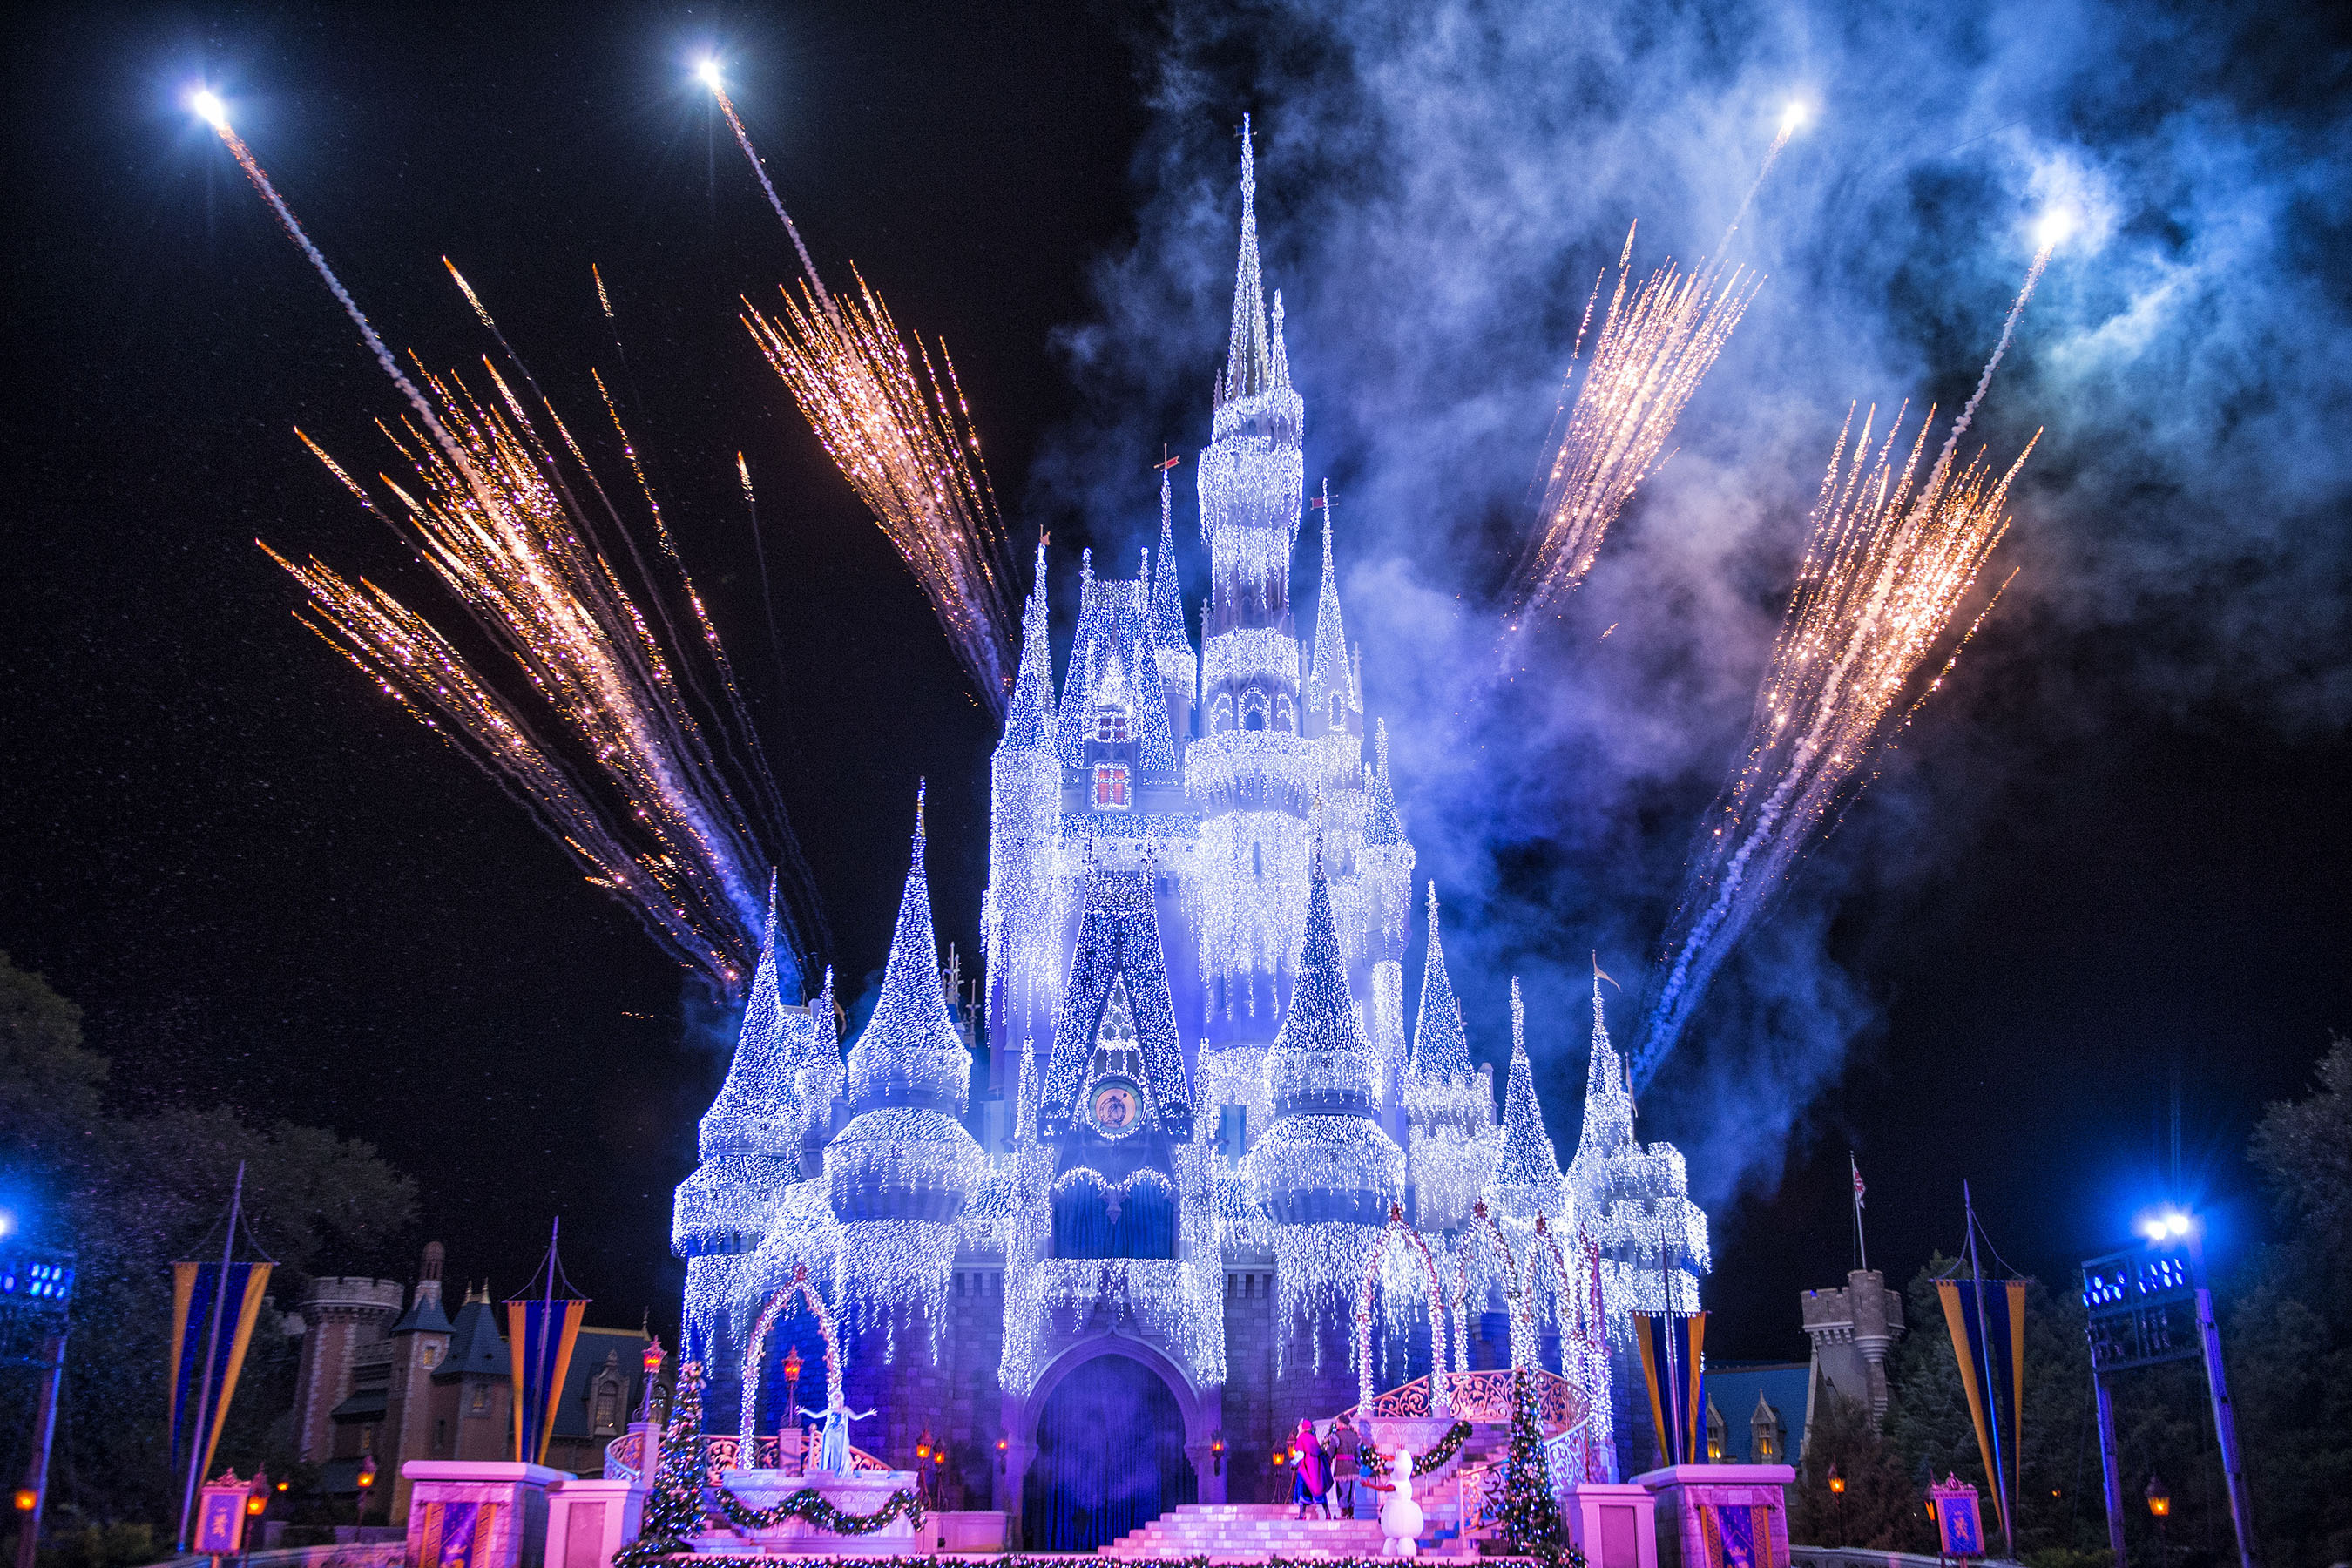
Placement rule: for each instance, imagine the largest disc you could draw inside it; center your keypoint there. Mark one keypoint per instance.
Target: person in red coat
(1308, 1482)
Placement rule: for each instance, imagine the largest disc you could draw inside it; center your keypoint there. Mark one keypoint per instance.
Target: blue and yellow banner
(1987, 1320)
(1672, 1366)
(201, 1391)
(541, 1334)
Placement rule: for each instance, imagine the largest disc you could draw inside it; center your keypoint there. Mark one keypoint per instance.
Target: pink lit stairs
(1253, 1531)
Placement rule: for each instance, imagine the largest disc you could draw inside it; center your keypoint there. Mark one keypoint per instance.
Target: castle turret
(1180, 671)
(1324, 1171)
(1384, 863)
(1449, 1107)
(751, 1136)
(1632, 1200)
(1020, 918)
(1527, 1181)
(1250, 773)
(900, 1172)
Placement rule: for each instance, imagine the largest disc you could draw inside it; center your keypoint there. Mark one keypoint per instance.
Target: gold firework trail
(1889, 560)
(899, 430)
(492, 511)
(1657, 342)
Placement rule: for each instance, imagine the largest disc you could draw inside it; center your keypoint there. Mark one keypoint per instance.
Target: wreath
(810, 1505)
(1375, 1464)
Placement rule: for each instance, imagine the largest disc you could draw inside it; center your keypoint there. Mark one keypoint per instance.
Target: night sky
(2114, 849)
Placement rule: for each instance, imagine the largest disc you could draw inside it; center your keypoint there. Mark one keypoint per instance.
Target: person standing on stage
(1308, 1483)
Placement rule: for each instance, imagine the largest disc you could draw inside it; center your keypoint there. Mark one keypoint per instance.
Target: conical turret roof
(1384, 828)
(758, 1108)
(1439, 1048)
(909, 1052)
(1248, 364)
(1029, 719)
(1168, 633)
(1321, 1059)
(1328, 669)
(1526, 1179)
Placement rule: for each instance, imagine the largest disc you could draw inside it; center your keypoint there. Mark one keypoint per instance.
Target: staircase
(1253, 1531)
(1246, 1531)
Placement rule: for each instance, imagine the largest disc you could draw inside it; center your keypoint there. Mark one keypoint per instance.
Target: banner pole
(1985, 1366)
(196, 1443)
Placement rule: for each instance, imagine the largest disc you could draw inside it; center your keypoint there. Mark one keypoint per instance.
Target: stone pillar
(1694, 1500)
(1615, 1524)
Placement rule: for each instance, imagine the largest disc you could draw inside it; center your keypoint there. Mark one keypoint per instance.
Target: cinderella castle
(1109, 1278)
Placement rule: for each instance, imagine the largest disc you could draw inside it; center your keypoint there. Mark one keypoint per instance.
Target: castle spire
(1526, 1180)
(909, 1052)
(1384, 828)
(1169, 638)
(758, 1107)
(1321, 1059)
(1029, 719)
(1328, 670)
(1439, 1048)
(1246, 368)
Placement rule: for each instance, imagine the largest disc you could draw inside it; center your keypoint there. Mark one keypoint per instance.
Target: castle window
(1110, 726)
(1110, 787)
(1337, 721)
(481, 1405)
(608, 1418)
(1252, 709)
(1282, 719)
(1220, 713)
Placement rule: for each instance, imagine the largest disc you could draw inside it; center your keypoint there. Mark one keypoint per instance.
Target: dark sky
(268, 888)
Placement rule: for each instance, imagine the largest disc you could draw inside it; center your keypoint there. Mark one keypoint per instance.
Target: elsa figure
(832, 1448)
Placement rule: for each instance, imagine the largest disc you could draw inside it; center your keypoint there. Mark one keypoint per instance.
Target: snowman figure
(1400, 1518)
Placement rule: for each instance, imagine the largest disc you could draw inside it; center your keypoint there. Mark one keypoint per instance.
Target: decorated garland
(810, 1505)
(1375, 1464)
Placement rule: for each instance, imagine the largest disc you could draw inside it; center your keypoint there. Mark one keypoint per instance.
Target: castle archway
(1108, 1425)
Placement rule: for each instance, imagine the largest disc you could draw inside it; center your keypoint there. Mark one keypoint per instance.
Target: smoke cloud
(1440, 185)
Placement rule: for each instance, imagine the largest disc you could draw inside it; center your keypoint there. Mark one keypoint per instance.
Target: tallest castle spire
(1247, 361)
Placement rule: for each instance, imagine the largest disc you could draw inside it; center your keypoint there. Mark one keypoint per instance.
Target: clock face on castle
(1114, 1109)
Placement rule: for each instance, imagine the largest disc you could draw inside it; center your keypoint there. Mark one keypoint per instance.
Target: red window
(1110, 727)
(1110, 787)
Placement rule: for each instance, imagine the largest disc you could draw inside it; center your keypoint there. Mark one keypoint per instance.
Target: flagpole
(196, 1444)
(1984, 1361)
(544, 1355)
(1861, 1246)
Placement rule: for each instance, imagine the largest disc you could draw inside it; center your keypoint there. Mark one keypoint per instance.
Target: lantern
(1837, 1482)
(27, 1500)
(923, 1445)
(367, 1471)
(2159, 1501)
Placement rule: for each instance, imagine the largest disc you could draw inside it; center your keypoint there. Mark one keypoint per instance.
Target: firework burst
(900, 432)
(1890, 559)
(623, 775)
(1657, 342)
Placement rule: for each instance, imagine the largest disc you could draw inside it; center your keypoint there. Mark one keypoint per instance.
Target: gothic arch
(1201, 1417)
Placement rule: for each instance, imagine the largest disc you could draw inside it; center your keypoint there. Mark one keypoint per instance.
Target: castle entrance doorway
(1111, 1457)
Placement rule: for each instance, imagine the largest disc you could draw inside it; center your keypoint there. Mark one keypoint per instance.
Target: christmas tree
(674, 1510)
(1530, 1514)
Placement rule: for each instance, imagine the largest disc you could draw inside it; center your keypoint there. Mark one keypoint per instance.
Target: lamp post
(653, 1364)
(791, 1421)
(1217, 1454)
(1837, 1491)
(366, 1481)
(2159, 1508)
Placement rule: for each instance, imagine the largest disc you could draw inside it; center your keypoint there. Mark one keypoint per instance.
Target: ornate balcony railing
(1481, 1396)
(625, 1457)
